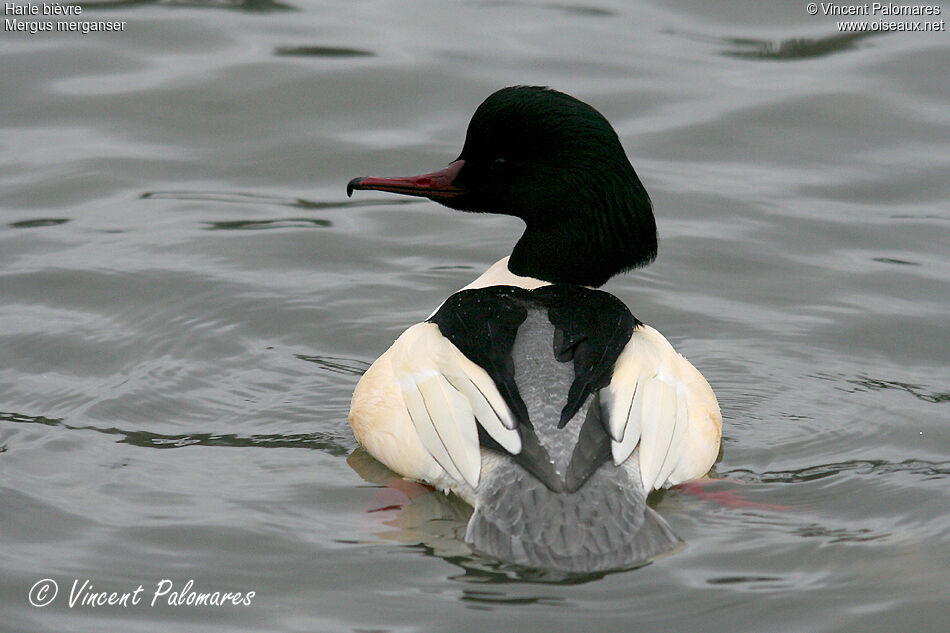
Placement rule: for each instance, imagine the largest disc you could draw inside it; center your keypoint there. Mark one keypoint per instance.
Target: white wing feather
(659, 402)
(429, 430)
(444, 394)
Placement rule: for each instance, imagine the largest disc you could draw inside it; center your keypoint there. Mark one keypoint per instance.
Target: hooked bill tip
(352, 185)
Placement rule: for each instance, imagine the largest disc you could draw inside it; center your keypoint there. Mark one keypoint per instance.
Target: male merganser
(539, 400)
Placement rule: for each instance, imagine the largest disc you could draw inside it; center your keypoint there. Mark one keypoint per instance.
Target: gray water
(187, 299)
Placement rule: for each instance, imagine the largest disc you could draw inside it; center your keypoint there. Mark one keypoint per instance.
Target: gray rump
(603, 526)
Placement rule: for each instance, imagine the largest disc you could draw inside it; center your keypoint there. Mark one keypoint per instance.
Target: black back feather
(591, 328)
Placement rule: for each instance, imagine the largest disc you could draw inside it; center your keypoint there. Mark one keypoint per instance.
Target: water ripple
(321, 51)
(313, 441)
(839, 535)
(38, 222)
(249, 6)
(922, 468)
(865, 383)
(337, 365)
(257, 225)
(795, 48)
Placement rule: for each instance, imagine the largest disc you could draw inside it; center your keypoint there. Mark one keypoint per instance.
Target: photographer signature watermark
(916, 17)
(84, 594)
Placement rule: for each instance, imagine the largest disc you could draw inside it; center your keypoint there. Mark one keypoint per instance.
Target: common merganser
(539, 400)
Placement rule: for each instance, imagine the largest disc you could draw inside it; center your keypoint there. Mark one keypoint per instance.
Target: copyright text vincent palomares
(881, 16)
(83, 594)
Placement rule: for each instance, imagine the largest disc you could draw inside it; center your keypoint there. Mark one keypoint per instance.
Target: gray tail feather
(604, 525)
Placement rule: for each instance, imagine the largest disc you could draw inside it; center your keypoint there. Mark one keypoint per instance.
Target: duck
(534, 396)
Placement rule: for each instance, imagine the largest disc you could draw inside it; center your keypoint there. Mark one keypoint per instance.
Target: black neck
(563, 258)
(585, 254)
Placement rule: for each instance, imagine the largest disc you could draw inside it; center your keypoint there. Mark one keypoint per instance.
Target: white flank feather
(680, 428)
(425, 426)
(658, 401)
(453, 420)
(445, 393)
(475, 383)
(631, 423)
(653, 420)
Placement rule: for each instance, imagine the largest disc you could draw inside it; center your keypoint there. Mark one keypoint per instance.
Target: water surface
(187, 299)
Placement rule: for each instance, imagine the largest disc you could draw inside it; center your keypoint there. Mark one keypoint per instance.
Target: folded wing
(659, 402)
(446, 396)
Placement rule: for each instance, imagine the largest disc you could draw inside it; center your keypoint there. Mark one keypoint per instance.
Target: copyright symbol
(43, 592)
(812, 8)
